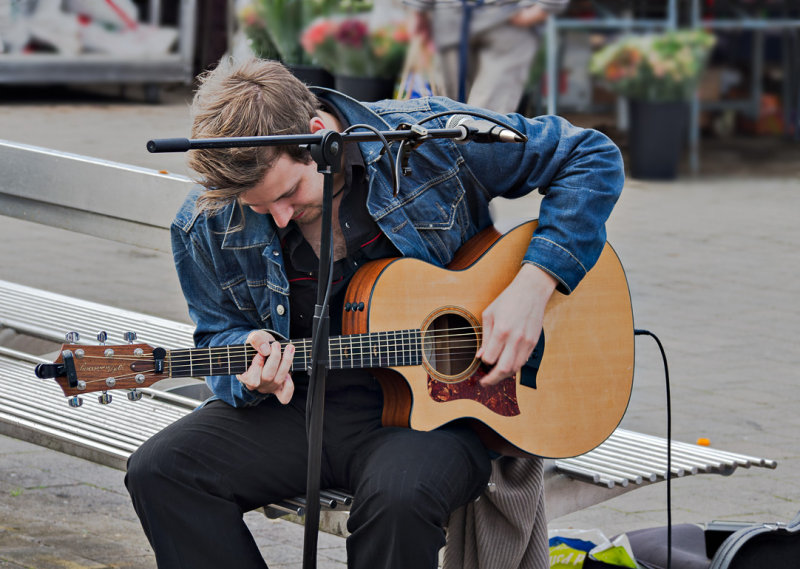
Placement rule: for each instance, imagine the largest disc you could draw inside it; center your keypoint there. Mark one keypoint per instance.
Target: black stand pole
(327, 155)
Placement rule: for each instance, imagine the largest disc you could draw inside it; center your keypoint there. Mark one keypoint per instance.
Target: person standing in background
(503, 39)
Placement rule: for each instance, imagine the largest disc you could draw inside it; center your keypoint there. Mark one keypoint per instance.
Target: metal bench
(36, 410)
(114, 201)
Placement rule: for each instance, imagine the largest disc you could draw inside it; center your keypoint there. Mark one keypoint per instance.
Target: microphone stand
(326, 149)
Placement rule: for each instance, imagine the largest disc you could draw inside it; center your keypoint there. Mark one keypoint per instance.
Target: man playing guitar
(246, 244)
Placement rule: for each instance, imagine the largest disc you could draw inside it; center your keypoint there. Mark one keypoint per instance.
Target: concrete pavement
(712, 264)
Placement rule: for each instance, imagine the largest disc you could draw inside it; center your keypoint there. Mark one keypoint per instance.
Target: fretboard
(375, 349)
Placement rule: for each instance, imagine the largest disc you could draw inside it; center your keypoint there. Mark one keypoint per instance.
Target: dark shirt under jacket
(365, 242)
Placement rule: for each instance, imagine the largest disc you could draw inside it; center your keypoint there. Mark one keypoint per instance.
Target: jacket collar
(243, 228)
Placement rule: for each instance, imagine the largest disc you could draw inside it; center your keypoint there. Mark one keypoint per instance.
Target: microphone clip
(409, 145)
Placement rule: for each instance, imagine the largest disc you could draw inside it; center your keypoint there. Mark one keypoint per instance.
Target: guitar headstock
(81, 369)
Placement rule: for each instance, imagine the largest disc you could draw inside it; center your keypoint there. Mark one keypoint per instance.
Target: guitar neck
(355, 351)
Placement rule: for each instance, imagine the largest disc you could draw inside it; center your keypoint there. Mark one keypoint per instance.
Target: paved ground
(712, 264)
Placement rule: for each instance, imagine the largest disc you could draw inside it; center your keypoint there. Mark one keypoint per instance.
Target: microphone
(482, 130)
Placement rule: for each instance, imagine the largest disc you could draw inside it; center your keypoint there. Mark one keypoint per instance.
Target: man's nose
(282, 214)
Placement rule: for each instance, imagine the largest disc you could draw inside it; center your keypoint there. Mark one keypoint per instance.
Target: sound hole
(449, 343)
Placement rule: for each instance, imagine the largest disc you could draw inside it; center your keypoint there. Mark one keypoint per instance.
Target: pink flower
(352, 33)
(315, 34)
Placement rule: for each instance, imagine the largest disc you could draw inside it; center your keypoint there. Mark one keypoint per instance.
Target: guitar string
(204, 356)
(349, 337)
(342, 342)
(459, 347)
(450, 351)
(367, 359)
(152, 372)
(245, 356)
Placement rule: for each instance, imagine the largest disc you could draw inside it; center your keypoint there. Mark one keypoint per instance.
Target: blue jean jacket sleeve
(580, 174)
(218, 320)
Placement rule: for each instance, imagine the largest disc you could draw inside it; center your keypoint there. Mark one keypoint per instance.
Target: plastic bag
(420, 75)
(570, 548)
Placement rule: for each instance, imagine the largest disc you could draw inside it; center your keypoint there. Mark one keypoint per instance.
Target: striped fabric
(506, 528)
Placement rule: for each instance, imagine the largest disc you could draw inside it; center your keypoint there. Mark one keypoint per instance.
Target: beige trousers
(497, 67)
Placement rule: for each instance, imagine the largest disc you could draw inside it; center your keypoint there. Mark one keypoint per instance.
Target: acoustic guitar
(419, 326)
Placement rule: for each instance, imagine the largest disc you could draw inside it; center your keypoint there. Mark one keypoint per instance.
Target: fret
(376, 348)
(392, 358)
(295, 360)
(411, 348)
(179, 364)
(228, 349)
(201, 365)
(351, 352)
(402, 348)
(417, 335)
(242, 360)
(394, 352)
(333, 346)
(379, 350)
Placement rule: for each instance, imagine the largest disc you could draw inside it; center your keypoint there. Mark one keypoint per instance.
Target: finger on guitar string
(269, 373)
(512, 323)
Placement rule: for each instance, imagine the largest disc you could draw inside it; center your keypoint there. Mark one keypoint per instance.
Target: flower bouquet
(347, 46)
(658, 74)
(273, 27)
(660, 67)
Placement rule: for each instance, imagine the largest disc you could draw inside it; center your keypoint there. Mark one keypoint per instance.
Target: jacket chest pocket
(440, 214)
(252, 286)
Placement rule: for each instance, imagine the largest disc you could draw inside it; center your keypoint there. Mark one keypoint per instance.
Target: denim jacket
(234, 281)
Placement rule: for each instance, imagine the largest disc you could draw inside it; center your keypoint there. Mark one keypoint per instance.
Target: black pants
(191, 483)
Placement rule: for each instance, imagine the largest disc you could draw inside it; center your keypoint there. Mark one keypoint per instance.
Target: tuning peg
(134, 395)
(129, 337)
(75, 401)
(104, 398)
(102, 337)
(72, 337)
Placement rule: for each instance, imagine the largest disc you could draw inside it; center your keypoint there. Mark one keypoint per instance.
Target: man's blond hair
(253, 97)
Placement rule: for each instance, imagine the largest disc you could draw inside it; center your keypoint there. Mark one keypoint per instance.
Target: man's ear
(316, 124)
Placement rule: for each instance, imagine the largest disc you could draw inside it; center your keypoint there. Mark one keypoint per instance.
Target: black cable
(478, 114)
(397, 169)
(669, 442)
(386, 149)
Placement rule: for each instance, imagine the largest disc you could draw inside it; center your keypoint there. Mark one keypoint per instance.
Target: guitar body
(570, 397)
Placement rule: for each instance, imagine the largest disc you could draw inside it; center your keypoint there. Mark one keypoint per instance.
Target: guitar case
(718, 545)
(773, 546)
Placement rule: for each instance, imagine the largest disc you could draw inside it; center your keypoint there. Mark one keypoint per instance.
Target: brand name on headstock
(108, 368)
